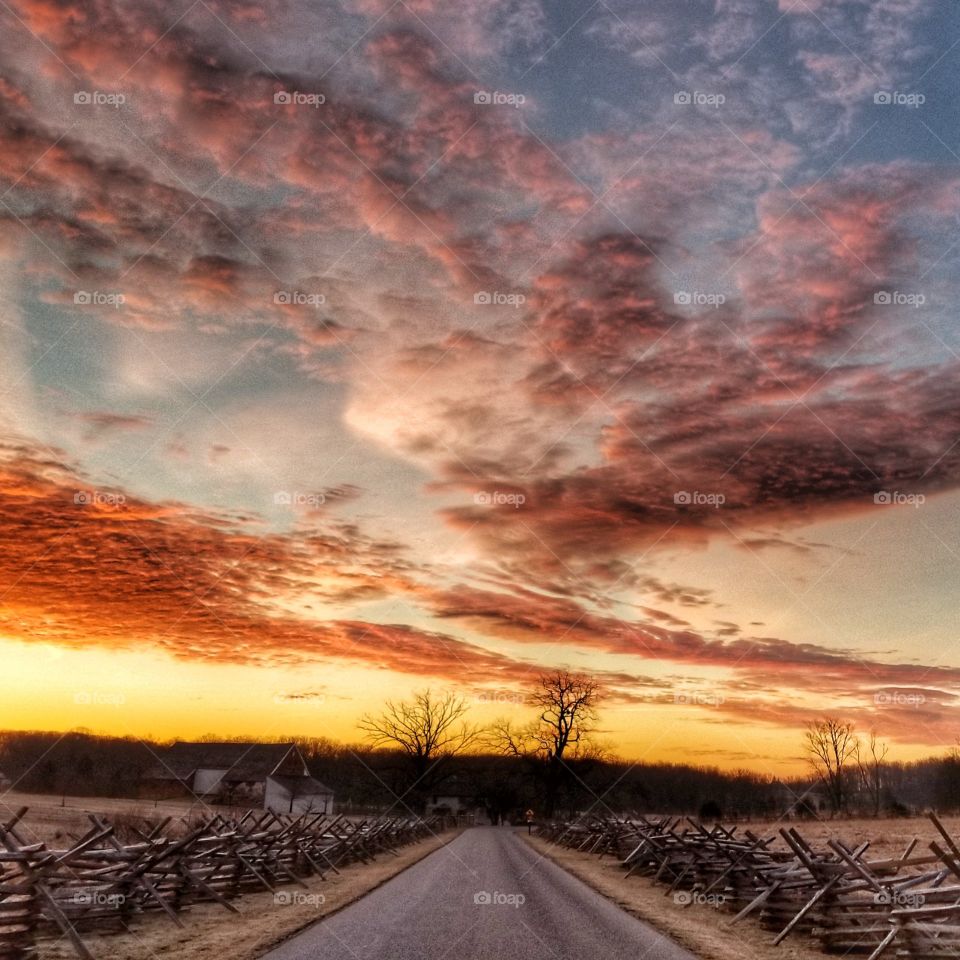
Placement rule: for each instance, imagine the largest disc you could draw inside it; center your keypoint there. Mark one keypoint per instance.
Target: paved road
(485, 896)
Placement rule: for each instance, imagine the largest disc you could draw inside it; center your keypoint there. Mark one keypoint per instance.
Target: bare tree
(830, 745)
(567, 714)
(428, 730)
(871, 769)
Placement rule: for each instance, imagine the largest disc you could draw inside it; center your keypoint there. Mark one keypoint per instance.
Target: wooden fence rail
(102, 885)
(906, 906)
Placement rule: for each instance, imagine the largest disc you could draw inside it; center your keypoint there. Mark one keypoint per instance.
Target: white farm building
(269, 775)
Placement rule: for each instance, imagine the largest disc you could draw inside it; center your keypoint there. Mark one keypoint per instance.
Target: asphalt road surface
(485, 896)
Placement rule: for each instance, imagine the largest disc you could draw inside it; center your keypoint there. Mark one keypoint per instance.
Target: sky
(348, 349)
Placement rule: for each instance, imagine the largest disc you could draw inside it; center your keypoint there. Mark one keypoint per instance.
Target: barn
(297, 795)
(271, 775)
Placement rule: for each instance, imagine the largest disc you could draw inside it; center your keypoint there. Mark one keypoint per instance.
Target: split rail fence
(100, 885)
(906, 906)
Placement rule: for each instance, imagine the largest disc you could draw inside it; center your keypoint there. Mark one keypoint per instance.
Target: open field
(888, 836)
(54, 819)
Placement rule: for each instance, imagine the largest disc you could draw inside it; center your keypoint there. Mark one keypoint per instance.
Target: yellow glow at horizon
(140, 694)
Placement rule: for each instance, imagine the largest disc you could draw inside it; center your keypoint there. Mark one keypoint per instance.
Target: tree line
(554, 764)
(855, 775)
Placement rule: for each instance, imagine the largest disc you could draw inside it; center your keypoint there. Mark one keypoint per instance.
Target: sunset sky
(353, 348)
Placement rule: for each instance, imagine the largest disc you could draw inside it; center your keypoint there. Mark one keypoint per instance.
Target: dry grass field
(888, 836)
(57, 820)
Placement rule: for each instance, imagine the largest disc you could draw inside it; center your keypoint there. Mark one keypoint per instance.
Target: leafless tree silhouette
(428, 730)
(830, 746)
(567, 705)
(871, 763)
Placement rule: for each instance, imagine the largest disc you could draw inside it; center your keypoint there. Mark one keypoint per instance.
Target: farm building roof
(242, 761)
(302, 786)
